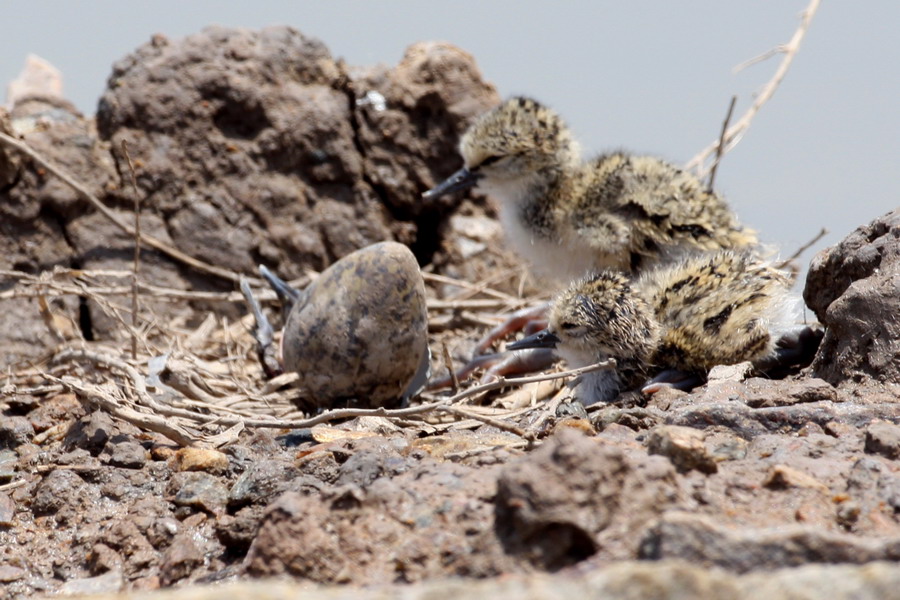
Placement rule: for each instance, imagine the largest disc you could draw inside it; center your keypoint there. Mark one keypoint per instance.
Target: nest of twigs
(204, 385)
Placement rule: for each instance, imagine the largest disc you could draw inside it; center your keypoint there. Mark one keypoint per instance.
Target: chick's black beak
(541, 339)
(461, 180)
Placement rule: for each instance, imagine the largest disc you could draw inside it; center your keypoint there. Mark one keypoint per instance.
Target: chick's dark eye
(567, 326)
(489, 160)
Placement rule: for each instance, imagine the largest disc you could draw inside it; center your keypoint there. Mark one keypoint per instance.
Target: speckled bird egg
(358, 336)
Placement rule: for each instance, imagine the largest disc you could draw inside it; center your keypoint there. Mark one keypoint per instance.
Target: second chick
(677, 321)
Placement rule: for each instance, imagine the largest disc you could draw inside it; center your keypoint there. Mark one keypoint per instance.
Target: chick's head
(601, 317)
(517, 140)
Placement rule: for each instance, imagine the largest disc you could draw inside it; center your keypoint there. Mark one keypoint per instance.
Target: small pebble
(683, 446)
(128, 454)
(781, 477)
(179, 560)
(196, 489)
(15, 431)
(200, 459)
(883, 438)
(58, 488)
(8, 462)
(7, 511)
(261, 481)
(8, 573)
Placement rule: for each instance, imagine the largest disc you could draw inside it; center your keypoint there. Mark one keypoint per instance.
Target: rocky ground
(251, 147)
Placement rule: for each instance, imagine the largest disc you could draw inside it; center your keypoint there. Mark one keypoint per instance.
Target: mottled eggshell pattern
(361, 333)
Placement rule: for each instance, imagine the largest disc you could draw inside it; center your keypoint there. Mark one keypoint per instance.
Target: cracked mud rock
(248, 147)
(854, 289)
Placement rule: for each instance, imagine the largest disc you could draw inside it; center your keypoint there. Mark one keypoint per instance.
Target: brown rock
(102, 558)
(91, 432)
(698, 540)
(36, 207)
(199, 459)
(769, 393)
(431, 95)
(683, 446)
(854, 289)
(61, 488)
(123, 535)
(783, 476)
(179, 560)
(125, 452)
(883, 438)
(411, 525)
(200, 490)
(284, 545)
(15, 431)
(102, 245)
(264, 123)
(554, 505)
(59, 133)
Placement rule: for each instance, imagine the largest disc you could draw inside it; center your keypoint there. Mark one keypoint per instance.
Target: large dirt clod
(854, 289)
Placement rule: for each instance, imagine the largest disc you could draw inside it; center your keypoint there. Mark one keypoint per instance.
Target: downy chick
(682, 319)
(569, 217)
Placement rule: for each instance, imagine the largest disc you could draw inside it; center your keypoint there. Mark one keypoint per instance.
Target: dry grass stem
(733, 135)
(137, 249)
(787, 261)
(715, 166)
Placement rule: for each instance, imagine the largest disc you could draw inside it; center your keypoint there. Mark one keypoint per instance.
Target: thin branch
(499, 424)
(154, 243)
(478, 303)
(60, 289)
(448, 362)
(519, 381)
(736, 131)
(95, 395)
(137, 249)
(761, 58)
(479, 288)
(157, 291)
(13, 485)
(721, 145)
(801, 249)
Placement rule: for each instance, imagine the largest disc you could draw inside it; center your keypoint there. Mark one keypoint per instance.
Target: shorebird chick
(570, 217)
(710, 309)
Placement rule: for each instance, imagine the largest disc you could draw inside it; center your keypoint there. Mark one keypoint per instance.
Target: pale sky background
(651, 76)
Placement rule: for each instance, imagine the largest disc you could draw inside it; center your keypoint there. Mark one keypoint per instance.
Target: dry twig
(448, 361)
(736, 131)
(13, 485)
(137, 250)
(721, 145)
(784, 263)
